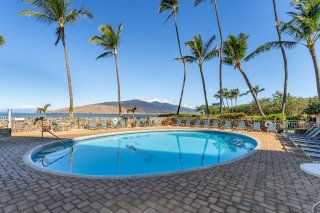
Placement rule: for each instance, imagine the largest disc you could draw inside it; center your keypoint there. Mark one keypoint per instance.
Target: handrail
(60, 140)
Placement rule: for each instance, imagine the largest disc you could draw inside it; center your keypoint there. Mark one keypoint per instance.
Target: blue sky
(33, 69)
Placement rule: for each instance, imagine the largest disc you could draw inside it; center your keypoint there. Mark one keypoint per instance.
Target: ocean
(76, 115)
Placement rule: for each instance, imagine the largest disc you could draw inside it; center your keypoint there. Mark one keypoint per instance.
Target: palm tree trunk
(68, 72)
(204, 90)
(316, 68)
(221, 55)
(285, 61)
(184, 64)
(254, 95)
(118, 81)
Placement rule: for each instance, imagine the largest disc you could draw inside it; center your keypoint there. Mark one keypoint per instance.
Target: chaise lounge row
(207, 123)
(119, 123)
(309, 142)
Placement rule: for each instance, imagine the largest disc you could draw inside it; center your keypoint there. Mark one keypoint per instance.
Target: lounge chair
(122, 123)
(188, 122)
(114, 123)
(215, 124)
(206, 123)
(197, 123)
(19, 124)
(241, 125)
(177, 122)
(103, 124)
(256, 126)
(57, 126)
(139, 123)
(92, 124)
(272, 127)
(227, 124)
(311, 135)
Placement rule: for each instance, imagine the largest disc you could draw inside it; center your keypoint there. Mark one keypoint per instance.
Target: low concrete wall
(69, 123)
(5, 132)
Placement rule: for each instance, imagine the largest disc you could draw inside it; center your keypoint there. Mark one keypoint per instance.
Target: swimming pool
(142, 153)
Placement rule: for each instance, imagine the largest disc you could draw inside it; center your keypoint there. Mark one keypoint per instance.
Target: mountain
(143, 107)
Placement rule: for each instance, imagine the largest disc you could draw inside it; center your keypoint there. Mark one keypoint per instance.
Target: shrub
(237, 115)
(276, 117)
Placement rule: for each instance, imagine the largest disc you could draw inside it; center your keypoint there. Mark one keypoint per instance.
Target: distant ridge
(143, 107)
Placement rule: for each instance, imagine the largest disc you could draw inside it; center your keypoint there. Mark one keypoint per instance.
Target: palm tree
(256, 89)
(110, 41)
(235, 49)
(2, 41)
(173, 7)
(43, 109)
(284, 56)
(197, 2)
(61, 13)
(236, 94)
(304, 29)
(132, 110)
(201, 52)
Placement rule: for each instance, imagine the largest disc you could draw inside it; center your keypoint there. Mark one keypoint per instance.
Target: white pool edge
(27, 158)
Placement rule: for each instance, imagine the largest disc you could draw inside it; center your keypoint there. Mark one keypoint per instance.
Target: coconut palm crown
(110, 41)
(201, 52)
(61, 13)
(304, 28)
(2, 41)
(235, 52)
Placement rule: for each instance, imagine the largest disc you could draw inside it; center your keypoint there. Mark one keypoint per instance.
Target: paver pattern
(269, 180)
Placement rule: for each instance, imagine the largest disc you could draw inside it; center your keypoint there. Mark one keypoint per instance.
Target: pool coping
(27, 158)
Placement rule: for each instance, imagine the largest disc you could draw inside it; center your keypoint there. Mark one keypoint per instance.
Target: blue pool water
(144, 153)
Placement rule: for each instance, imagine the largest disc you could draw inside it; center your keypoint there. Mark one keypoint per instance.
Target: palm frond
(58, 35)
(39, 16)
(105, 55)
(285, 44)
(258, 51)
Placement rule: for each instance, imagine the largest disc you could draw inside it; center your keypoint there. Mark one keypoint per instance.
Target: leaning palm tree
(2, 41)
(173, 7)
(110, 41)
(201, 52)
(61, 13)
(304, 28)
(284, 57)
(197, 2)
(235, 49)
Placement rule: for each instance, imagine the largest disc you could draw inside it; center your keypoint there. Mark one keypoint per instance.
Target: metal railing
(292, 125)
(3, 118)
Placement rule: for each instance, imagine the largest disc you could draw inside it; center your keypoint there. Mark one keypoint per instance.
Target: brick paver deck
(269, 180)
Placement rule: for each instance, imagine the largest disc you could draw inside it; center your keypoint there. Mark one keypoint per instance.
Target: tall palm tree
(201, 52)
(173, 7)
(197, 2)
(61, 13)
(235, 50)
(110, 41)
(284, 56)
(304, 28)
(2, 41)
